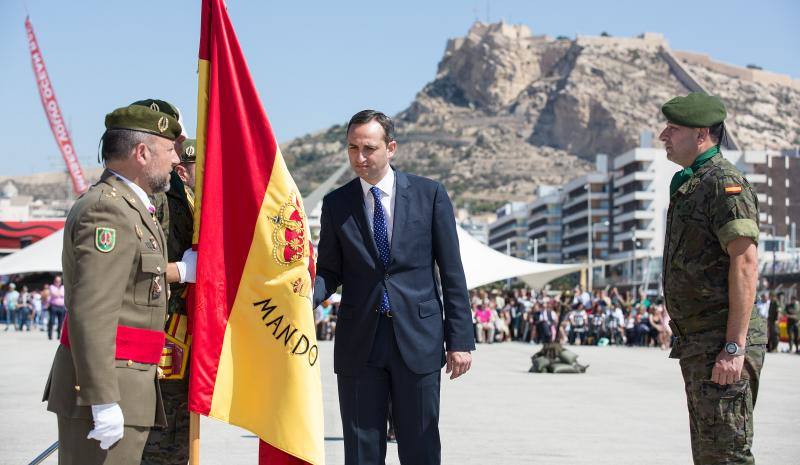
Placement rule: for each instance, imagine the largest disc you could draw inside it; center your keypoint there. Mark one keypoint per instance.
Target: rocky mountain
(509, 110)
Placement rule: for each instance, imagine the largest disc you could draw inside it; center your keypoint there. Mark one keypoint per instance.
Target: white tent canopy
(484, 265)
(40, 257)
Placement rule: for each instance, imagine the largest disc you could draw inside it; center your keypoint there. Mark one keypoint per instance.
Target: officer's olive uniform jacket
(103, 290)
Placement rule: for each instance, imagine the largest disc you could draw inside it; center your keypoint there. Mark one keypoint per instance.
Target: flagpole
(194, 439)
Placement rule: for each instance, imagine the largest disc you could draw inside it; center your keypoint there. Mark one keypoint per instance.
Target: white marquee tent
(484, 265)
(40, 257)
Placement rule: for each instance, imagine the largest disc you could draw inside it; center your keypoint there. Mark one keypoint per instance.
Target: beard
(157, 182)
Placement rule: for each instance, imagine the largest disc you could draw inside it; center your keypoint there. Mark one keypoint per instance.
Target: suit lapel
(400, 210)
(360, 215)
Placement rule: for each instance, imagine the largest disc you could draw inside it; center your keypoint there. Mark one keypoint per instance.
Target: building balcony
(641, 234)
(635, 176)
(544, 229)
(756, 178)
(620, 218)
(582, 198)
(635, 155)
(584, 231)
(636, 195)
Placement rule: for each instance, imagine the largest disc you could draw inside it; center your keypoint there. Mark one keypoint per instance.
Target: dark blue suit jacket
(424, 236)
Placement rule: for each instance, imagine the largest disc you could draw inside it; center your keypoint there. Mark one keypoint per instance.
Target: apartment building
(508, 233)
(544, 225)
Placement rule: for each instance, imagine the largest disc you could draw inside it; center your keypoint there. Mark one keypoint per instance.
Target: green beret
(158, 118)
(159, 105)
(696, 110)
(188, 152)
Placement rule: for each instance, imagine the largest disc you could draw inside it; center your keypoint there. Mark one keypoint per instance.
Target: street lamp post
(632, 263)
(588, 188)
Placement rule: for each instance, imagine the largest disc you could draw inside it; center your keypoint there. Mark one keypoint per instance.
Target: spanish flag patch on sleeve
(733, 189)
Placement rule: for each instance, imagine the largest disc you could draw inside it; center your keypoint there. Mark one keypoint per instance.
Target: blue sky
(316, 62)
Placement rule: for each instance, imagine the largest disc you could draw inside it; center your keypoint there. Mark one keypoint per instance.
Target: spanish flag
(254, 352)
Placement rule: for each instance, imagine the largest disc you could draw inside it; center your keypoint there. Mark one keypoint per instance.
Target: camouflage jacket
(713, 207)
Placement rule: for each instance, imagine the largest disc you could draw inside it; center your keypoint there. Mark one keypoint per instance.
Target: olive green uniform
(170, 445)
(108, 284)
(714, 206)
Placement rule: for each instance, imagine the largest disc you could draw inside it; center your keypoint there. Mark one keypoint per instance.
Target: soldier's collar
(140, 193)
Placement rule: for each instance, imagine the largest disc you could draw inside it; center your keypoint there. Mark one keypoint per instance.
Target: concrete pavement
(629, 408)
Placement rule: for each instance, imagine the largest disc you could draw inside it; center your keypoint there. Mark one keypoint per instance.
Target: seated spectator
(502, 325)
(322, 318)
(546, 325)
(642, 325)
(614, 320)
(578, 321)
(484, 325)
(630, 328)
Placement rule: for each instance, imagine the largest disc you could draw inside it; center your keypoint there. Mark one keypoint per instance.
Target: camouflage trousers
(720, 417)
(170, 445)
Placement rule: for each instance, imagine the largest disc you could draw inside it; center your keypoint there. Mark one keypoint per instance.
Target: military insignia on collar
(733, 189)
(105, 239)
(163, 124)
(154, 107)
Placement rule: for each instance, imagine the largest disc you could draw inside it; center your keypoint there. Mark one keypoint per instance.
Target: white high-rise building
(544, 225)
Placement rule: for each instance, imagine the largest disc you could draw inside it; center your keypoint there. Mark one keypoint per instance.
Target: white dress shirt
(136, 190)
(388, 190)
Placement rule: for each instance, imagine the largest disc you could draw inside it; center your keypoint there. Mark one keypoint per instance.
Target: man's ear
(391, 147)
(702, 135)
(182, 172)
(141, 154)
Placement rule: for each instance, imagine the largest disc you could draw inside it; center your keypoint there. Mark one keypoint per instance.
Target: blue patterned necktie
(381, 240)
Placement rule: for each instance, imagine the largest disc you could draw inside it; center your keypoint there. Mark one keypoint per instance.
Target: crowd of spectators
(577, 317)
(526, 315)
(40, 308)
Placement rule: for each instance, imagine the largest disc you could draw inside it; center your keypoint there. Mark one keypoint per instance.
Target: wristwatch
(732, 348)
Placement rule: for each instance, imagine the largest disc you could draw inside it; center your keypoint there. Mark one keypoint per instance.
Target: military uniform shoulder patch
(732, 189)
(105, 239)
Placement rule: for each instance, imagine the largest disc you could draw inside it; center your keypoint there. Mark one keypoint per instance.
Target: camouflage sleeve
(733, 210)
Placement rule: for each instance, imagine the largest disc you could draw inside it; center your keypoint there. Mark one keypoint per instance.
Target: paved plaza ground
(629, 408)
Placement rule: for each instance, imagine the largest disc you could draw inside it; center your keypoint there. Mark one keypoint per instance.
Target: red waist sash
(137, 344)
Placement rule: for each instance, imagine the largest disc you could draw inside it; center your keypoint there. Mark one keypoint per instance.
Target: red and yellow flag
(254, 351)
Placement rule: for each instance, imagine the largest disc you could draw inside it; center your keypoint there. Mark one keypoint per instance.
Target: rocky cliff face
(509, 110)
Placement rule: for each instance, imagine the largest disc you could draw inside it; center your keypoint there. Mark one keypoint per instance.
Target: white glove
(108, 424)
(187, 267)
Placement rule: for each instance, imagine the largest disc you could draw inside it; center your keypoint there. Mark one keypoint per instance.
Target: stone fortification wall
(754, 75)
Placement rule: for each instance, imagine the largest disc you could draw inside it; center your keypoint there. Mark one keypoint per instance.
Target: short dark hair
(118, 143)
(365, 116)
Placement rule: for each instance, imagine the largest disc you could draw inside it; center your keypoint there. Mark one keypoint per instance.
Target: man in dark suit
(383, 236)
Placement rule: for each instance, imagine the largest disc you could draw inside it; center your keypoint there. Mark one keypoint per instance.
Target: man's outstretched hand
(458, 363)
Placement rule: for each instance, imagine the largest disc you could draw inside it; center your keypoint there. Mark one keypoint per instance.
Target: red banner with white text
(53, 112)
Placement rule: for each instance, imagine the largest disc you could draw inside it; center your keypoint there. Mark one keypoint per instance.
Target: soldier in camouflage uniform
(710, 275)
(175, 210)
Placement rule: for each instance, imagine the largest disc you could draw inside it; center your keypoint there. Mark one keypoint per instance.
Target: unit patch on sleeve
(105, 239)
